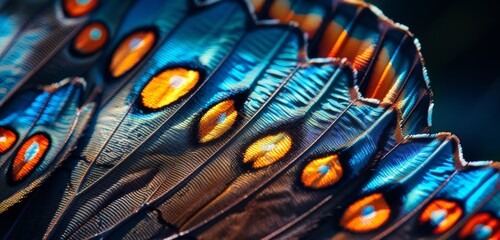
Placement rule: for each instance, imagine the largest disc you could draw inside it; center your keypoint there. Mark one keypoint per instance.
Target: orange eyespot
(168, 86)
(130, 51)
(268, 150)
(217, 121)
(28, 156)
(77, 8)
(91, 39)
(322, 172)
(367, 214)
(7, 139)
(441, 215)
(481, 226)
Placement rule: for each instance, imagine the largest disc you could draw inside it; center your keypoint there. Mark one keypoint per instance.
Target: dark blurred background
(461, 46)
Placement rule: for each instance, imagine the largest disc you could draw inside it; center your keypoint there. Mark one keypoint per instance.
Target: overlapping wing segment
(385, 54)
(45, 131)
(41, 35)
(446, 213)
(259, 62)
(213, 124)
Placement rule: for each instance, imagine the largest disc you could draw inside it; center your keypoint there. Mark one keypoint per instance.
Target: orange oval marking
(130, 51)
(268, 150)
(7, 139)
(217, 121)
(322, 172)
(91, 39)
(28, 156)
(481, 226)
(367, 214)
(168, 86)
(77, 8)
(441, 215)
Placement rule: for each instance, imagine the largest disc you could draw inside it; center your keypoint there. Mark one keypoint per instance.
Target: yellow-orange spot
(91, 39)
(362, 60)
(7, 139)
(77, 8)
(28, 156)
(481, 226)
(322, 172)
(441, 215)
(217, 121)
(130, 51)
(168, 86)
(367, 214)
(268, 150)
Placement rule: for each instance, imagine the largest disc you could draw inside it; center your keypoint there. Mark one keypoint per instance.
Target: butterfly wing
(215, 125)
(480, 223)
(386, 55)
(70, 40)
(44, 131)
